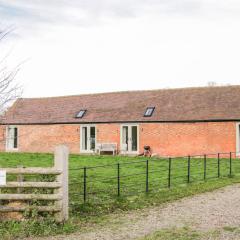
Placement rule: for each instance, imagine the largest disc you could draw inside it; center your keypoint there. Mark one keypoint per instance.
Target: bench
(107, 147)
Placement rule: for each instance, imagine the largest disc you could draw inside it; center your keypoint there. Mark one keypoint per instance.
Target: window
(81, 113)
(149, 111)
(12, 138)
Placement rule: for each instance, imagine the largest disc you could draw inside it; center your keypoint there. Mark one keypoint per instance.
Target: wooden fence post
(61, 163)
(20, 179)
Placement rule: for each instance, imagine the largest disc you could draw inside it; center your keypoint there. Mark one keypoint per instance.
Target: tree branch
(9, 89)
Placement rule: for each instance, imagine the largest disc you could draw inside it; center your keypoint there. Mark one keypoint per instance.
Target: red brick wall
(166, 139)
(44, 138)
(2, 138)
(108, 133)
(178, 139)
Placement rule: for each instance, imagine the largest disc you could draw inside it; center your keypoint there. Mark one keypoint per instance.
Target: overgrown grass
(13, 229)
(102, 186)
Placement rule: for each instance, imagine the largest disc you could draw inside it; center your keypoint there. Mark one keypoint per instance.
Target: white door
(129, 139)
(88, 139)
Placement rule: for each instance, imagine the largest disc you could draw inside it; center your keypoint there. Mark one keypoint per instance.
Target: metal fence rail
(122, 179)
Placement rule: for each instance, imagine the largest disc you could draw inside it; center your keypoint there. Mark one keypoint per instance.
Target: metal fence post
(205, 166)
(218, 164)
(169, 171)
(188, 177)
(230, 164)
(118, 178)
(84, 184)
(147, 176)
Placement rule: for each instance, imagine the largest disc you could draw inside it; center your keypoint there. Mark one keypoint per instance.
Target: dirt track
(204, 212)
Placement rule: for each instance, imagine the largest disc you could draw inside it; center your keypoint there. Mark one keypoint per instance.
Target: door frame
(121, 136)
(81, 139)
(7, 147)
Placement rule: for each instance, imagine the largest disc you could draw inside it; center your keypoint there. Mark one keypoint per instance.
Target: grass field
(102, 183)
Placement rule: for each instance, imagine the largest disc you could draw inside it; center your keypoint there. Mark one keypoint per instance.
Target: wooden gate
(59, 185)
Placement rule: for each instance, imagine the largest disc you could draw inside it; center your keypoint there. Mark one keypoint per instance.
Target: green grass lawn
(102, 183)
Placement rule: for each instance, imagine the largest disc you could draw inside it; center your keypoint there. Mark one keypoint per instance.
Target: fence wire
(104, 183)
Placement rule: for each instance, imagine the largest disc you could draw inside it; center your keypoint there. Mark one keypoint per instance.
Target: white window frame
(88, 150)
(138, 138)
(8, 148)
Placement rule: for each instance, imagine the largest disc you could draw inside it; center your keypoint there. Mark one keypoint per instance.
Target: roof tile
(183, 104)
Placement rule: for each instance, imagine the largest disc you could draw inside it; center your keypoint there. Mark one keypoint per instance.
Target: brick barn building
(173, 122)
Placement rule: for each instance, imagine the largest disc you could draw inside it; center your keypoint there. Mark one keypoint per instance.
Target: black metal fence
(128, 178)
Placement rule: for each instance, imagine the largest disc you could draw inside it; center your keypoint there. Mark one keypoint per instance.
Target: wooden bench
(107, 147)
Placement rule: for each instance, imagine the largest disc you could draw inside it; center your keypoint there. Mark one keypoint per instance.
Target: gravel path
(204, 212)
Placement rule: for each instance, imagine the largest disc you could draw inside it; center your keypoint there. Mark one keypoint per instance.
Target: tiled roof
(183, 104)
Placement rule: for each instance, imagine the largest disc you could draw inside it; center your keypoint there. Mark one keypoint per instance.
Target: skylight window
(81, 113)
(149, 111)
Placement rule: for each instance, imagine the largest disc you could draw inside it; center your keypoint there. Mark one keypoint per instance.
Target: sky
(67, 47)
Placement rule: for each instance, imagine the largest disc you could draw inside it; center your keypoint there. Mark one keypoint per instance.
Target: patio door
(129, 139)
(88, 139)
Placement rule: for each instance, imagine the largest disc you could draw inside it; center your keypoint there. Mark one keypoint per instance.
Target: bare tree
(10, 90)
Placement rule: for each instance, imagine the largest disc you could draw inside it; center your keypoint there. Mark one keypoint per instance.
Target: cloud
(40, 16)
(85, 12)
(99, 45)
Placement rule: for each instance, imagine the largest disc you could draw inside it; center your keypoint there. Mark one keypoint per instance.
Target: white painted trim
(138, 138)
(7, 148)
(237, 139)
(88, 129)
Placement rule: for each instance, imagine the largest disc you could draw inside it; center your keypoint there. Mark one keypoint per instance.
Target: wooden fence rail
(40, 171)
(32, 185)
(59, 186)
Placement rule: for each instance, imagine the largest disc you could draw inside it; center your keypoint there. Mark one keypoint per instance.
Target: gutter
(149, 121)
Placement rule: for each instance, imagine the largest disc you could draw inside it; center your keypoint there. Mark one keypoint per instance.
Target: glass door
(125, 139)
(134, 138)
(88, 139)
(129, 139)
(92, 138)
